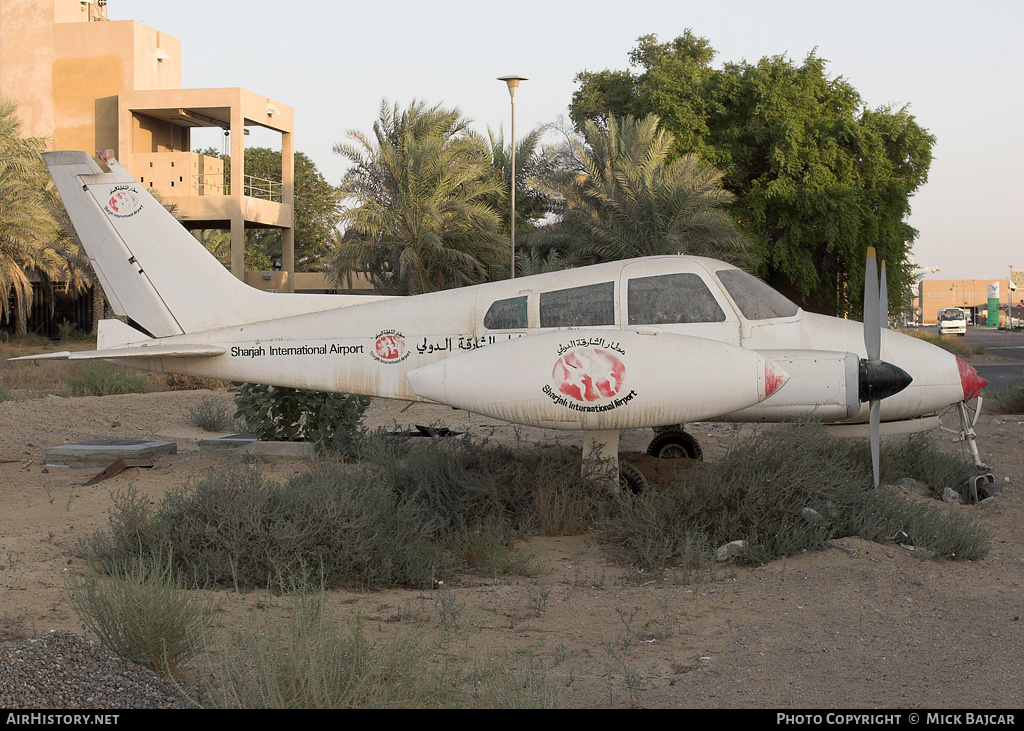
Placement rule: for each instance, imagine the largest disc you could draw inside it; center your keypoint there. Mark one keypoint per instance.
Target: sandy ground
(859, 626)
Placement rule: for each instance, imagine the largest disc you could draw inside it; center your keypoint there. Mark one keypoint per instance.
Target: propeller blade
(883, 302)
(872, 316)
(875, 425)
(876, 317)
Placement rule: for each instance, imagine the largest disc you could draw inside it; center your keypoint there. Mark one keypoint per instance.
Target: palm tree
(420, 219)
(532, 201)
(28, 231)
(626, 199)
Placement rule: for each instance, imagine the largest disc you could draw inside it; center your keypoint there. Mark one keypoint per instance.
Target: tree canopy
(622, 197)
(818, 176)
(420, 218)
(317, 208)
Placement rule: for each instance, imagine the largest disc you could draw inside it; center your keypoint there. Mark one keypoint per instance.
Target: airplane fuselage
(371, 348)
(644, 342)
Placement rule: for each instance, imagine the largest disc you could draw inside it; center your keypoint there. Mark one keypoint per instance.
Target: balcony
(200, 190)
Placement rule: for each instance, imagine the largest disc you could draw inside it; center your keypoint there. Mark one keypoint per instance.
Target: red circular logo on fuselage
(389, 347)
(589, 374)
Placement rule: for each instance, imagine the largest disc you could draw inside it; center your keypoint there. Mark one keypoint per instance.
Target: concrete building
(969, 294)
(88, 83)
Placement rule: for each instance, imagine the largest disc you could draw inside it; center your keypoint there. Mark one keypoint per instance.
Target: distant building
(87, 83)
(969, 294)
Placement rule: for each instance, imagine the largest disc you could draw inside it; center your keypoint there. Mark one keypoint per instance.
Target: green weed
(139, 611)
(104, 379)
(1006, 400)
(211, 414)
(318, 660)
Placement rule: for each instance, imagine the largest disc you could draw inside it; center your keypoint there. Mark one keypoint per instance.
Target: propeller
(878, 379)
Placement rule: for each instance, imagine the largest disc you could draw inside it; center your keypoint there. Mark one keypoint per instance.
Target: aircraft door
(675, 296)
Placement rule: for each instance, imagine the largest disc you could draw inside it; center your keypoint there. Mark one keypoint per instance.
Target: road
(1001, 344)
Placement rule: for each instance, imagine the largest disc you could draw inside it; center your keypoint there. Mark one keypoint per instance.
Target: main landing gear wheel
(675, 444)
(631, 478)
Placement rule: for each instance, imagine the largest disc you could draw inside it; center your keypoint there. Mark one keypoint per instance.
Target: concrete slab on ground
(102, 452)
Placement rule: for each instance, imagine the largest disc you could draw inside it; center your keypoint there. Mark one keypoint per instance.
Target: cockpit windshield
(756, 300)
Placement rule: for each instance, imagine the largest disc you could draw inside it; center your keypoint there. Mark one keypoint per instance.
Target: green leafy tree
(317, 213)
(317, 207)
(818, 176)
(421, 217)
(626, 199)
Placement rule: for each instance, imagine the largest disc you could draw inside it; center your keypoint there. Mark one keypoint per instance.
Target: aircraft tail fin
(152, 269)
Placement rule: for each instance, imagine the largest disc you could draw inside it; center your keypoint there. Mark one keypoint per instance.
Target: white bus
(952, 321)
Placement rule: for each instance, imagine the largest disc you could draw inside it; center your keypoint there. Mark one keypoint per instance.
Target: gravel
(62, 670)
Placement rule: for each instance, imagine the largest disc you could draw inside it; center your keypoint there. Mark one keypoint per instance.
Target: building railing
(214, 184)
(268, 190)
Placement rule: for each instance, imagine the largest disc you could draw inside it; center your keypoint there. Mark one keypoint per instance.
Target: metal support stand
(982, 484)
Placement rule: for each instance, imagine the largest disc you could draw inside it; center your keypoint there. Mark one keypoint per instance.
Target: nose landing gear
(982, 484)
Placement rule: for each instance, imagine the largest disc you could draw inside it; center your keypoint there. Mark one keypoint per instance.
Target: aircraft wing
(151, 351)
(601, 379)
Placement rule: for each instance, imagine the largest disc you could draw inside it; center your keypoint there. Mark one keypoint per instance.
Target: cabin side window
(756, 300)
(506, 314)
(587, 306)
(671, 298)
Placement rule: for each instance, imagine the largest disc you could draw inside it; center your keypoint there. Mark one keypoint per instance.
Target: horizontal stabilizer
(152, 351)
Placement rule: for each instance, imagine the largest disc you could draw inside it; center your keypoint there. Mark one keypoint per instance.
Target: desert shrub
(566, 503)
(790, 489)
(412, 511)
(4, 395)
(886, 516)
(290, 414)
(99, 378)
(919, 458)
(310, 661)
(139, 611)
(211, 414)
(235, 527)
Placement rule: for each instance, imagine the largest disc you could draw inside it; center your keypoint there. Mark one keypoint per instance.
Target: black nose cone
(879, 380)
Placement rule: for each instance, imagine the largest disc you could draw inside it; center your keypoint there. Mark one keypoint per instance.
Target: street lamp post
(513, 84)
(1009, 301)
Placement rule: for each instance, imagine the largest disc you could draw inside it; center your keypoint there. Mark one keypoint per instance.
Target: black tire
(631, 478)
(675, 444)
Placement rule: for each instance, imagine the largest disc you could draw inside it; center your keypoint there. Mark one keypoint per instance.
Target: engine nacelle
(823, 384)
(601, 379)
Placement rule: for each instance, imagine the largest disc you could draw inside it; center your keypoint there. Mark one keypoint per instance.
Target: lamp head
(513, 83)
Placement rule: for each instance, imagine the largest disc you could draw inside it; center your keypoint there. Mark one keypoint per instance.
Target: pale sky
(957, 65)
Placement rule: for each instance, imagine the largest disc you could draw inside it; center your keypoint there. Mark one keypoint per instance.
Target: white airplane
(652, 342)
